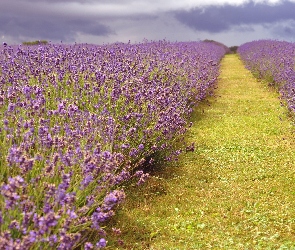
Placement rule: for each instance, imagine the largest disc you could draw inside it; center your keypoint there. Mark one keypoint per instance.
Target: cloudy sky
(232, 22)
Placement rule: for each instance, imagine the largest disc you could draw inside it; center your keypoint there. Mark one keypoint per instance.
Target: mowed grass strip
(235, 191)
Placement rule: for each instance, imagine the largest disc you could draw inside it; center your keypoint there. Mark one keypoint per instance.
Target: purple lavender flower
(90, 199)
(133, 152)
(15, 155)
(11, 107)
(52, 239)
(86, 181)
(106, 155)
(33, 236)
(10, 191)
(98, 217)
(72, 214)
(88, 246)
(143, 179)
(125, 146)
(101, 243)
(113, 198)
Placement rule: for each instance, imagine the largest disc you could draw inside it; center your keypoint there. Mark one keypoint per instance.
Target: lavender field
(273, 61)
(79, 121)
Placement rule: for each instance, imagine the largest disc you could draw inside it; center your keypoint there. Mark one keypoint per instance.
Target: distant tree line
(37, 42)
(233, 49)
(229, 50)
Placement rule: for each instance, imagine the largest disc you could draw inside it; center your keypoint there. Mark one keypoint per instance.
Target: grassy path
(236, 190)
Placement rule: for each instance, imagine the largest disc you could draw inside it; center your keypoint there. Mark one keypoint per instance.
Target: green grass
(235, 191)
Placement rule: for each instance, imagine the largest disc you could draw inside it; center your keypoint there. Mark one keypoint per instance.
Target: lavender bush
(77, 121)
(274, 62)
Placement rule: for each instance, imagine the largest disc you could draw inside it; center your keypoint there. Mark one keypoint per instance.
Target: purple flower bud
(72, 214)
(143, 179)
(106, 155)
(102, 243)
(88, 246)
(113, 198)
(11, 107)
(125, 146)
(53, 239)
(86, 181)
(133, 152)
(33, 236)
(90, 200)
(138, 173)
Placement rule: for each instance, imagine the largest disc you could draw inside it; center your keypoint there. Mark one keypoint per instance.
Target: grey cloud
(284, 30)
(42, 23)
(76, 1)
(51, 29)
(217, 19)
(55, 1)
(82, 2)
(53, 19)
(243, 28)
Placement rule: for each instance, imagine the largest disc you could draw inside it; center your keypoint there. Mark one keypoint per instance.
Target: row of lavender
(273, 61)
(76, 122)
